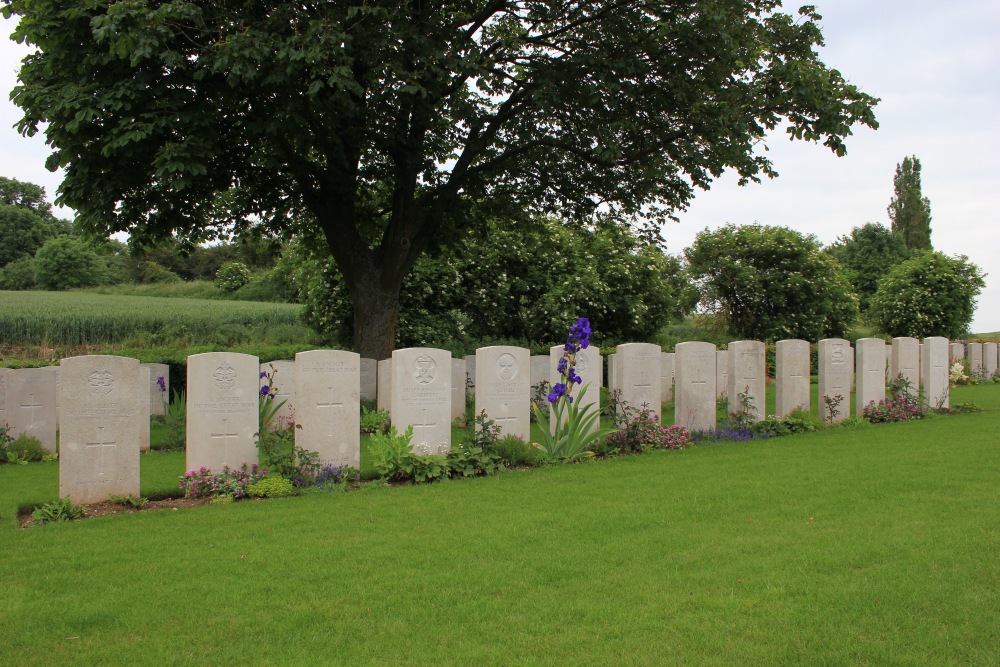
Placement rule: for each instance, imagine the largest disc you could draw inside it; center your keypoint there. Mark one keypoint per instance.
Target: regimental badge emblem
(101, 382)
(424, 369)
(506, 366)
(581, 361)
(225, 377)
(837, 356)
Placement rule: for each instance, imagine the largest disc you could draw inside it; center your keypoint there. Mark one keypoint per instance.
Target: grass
(862, 547)
(79, 318)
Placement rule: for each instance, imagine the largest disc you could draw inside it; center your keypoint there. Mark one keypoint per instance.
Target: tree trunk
(376, 310)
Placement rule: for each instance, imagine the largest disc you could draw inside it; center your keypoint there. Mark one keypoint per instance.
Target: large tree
(867, 255)
(382, 120)
(26, 220)
(909, 210)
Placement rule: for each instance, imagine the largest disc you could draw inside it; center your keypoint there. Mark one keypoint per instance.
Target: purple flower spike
(265, 390)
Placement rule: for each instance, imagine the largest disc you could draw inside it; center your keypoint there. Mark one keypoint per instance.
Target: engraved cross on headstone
(424, 423)
(225, 436)
(698, 376)
(749, 368)
(100, 445)
(644, 386)
(507, 418)
(331, 405)
(31, 406)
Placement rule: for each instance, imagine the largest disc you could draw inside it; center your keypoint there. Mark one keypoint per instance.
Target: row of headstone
(105, 410)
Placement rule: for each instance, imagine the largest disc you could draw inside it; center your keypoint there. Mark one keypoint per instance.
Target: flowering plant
(203, 483)
(576, 424)
(646, 431)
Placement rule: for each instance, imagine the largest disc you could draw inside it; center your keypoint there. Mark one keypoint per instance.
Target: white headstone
(990, 359)
(637, 367)
(934, 371)
(590, 368)
(791, 376)
(31, 405)
(470, 374)
(722, 374)
(539, 369)
(159, 396)
(281, 376)
(667, 377)
(328, 386)
(503, 388)
(102, 424)
(956, 353)
(421, 397)
(747, 375)
(870, 372)
(384, 391)
(904, 359)
(457, 389)
(144, 407)
(369, 380)
(836, 374)
(223, 408)
(694, 385)
(976, 360)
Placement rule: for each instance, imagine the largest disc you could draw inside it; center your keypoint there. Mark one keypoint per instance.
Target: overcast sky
(936, 68)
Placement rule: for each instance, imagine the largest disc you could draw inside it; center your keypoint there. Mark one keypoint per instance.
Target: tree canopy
(909, 210)
(26, 220)
(383, 120)
(867, 255)
(771, 283)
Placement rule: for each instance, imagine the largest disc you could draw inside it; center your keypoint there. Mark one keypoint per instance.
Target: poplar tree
(909, 210)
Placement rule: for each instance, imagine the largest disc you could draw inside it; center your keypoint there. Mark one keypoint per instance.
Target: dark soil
(108, 508)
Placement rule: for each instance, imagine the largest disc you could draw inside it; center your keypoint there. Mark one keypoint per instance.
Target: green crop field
(870, 546)
(58, 319)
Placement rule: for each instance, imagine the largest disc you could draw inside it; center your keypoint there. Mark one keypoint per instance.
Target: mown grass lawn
(847, 547)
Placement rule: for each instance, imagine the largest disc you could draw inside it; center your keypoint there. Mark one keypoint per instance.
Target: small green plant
(469, 461)
(513, 451)
(374, 420)
(25, 448)
(831, 405)
(388, 451)
(57, 511)
(966, 407)
(130, 500)
(222, 500)
(175, 418)
(746, 415)
(272, 486)
(539, 391)
(203, 483)
(619, 410)
(424, 469)
(855, 422)
(485, 431)
(797, 421)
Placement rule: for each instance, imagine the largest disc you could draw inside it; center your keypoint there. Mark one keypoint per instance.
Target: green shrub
(65, 262)
(19, 275)
(855, 422)
(374, 420)
(388, 451)
(25, 448)
(470, 461)
(424, 469)
(60, 510)
(513, 451)
(272, 486)
(152, 273)
(130, 500)
(232, 276)
(929, 295)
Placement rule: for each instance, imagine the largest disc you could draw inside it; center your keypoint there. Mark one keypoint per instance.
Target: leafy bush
(469, 461)
(424, 469)
(175, 418)
(855, 422)
(388, 452)
(203, 483)
(902, 405)
(798, 420)
(232, 275)
(25, 448)
(151, 273)
(929, 295)
(374, 420)
(65, 262)
(867, 255)
(272, 486)
(513, 451)
(57, 511)
(18, 275)
(770, 283)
